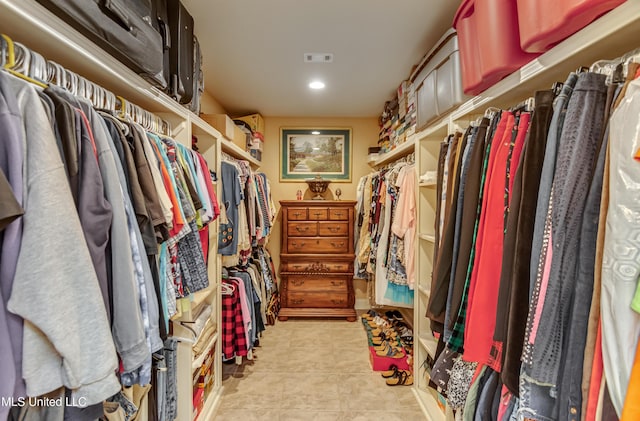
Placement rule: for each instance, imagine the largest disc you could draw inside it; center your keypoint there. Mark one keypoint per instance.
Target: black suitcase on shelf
(181, 54)
(126, 29)
(198, 78)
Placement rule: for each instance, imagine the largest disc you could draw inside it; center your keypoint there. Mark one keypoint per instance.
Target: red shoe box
(384, 363)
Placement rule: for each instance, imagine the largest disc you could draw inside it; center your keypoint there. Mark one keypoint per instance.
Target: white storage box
(438, 80)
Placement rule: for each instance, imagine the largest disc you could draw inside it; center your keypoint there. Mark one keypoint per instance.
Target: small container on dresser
(316, 259)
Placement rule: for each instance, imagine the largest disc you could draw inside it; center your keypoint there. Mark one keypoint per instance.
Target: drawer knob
(334, 229)
(297, 266)
(297, 214)
(339, 214)
(317, 213)
(298, 245)
(297, 301)
(297, 282)
(338, 245)
(302, 229)
(336, 302)
(337, 283)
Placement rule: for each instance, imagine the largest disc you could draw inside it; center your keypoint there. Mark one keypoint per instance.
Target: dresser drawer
(304, 245)
(302, 229)
(297, 214)
(313, 283)
(339, 214)
(333, 229)
(317, 300)
(318, 214)
(317, 267)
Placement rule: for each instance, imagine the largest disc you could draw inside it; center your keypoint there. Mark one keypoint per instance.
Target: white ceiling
(253, 52)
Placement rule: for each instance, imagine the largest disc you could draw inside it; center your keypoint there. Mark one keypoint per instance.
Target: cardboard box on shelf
(222, 123)
(255, 121)
(240, 137)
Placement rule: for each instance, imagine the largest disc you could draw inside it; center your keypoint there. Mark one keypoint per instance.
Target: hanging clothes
(385, 245)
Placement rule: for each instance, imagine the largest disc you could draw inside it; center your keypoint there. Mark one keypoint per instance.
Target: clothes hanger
(37, 66)
(9, 65)
(491, 111)
(227, 289)
(3, 52)
(56, 74)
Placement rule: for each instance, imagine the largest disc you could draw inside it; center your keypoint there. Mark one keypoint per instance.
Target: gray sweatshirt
(67, 339)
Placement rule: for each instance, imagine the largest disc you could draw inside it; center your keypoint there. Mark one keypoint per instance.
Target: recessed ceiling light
(315, 132)
(316, 84)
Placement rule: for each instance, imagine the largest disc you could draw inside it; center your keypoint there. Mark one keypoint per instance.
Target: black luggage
(126, 29)
(181, 58)
(198, 78)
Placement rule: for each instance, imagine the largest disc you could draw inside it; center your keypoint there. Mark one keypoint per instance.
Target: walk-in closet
(216, 210)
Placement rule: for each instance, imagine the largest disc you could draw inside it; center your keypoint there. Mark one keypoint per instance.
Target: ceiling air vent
(318, 57)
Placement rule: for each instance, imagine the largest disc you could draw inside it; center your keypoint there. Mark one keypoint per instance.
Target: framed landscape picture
(306, 153)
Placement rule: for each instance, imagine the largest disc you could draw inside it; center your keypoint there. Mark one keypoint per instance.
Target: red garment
(505, 399)
(485, 277)
(178, 218)
(210, 188)
(482, 311)
(204, 240)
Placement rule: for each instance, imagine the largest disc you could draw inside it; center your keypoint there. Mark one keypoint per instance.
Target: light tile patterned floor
(310, 369)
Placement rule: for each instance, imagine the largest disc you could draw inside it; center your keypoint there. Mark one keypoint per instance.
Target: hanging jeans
(575, 161)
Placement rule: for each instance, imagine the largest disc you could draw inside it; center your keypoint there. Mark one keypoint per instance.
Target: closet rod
(26, 64)
(407, 159)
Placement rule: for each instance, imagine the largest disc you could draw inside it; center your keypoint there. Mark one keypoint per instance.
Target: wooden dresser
(316, 259)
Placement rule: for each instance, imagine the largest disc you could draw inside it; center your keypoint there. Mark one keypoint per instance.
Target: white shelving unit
(610, 36)
(29, 23)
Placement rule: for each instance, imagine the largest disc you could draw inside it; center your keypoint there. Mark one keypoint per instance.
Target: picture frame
(308, 152)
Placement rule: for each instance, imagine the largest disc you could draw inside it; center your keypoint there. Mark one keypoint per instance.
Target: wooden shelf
(237, 152)
(37, 28)
(198, 361)
(434, 132)
(427, 237)
(424, 291)
(429, 405)
(430, 344)
(210, 405)
(200, 296)
(403, 150)
(201, 126)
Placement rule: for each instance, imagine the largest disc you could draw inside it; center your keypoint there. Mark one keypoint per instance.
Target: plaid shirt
(234, 342)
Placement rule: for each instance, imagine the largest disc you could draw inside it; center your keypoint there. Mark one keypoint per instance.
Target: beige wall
(209, 105)
(364, 132)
